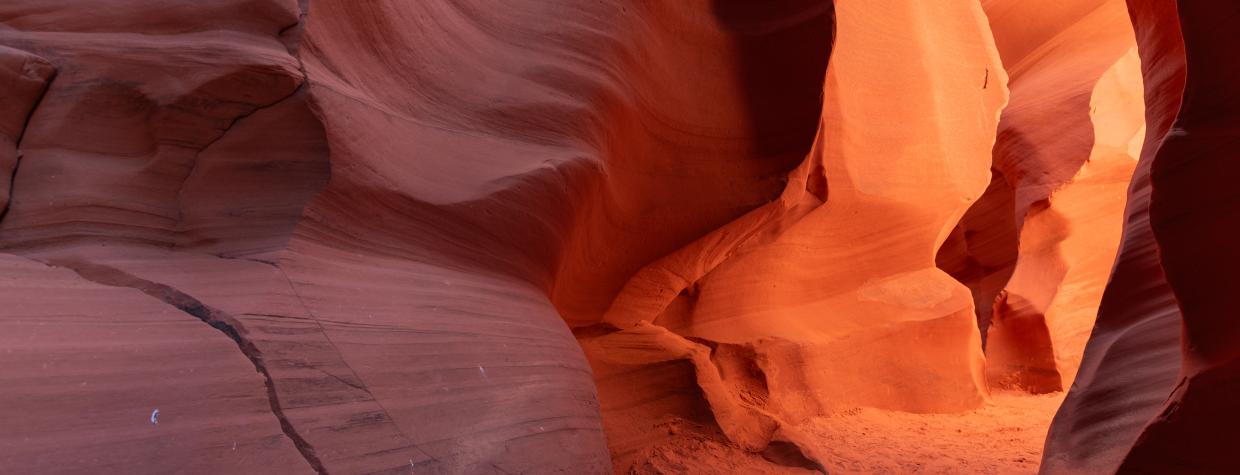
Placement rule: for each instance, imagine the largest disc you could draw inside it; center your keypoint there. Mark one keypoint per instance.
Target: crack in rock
(216, 318)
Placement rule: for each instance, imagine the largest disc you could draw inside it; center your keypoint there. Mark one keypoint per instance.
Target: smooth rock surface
(1131, 361)
(1036, 248)
(1191, 213)
(616, 236)
(791, 332)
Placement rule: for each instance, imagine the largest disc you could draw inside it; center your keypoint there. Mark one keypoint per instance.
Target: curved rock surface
(1132, 357)
(180, 162)
(401, 310)
(791, 341)
(1145, 401)
(25, 77)
(82, 380)
(1191, 212)
(564, 236)
(1036, 248)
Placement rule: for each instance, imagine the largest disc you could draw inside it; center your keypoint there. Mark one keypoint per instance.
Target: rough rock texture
(1036, 248)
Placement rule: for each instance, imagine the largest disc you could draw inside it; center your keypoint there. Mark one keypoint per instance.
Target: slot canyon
(619, 236)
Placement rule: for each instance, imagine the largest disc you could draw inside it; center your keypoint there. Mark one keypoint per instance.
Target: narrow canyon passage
(853, 359)
(617, 236)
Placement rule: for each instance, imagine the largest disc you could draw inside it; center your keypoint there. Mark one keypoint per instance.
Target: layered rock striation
(555, 236)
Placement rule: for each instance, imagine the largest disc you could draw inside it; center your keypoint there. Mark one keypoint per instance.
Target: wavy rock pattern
(560, 236)
(1036, 248)
(1130, 362)
(84, 378)
(1144, 400)
(1190, 214)
(402, 309)
(25, 77)
(814, 336)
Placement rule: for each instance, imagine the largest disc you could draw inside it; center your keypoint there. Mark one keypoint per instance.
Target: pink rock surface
(24, 76)
(87, 364)
(183, 157)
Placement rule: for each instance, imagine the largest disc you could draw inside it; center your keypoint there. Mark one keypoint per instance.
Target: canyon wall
(396, 237)
(1147, 401)
(1036, 248)
(1191, 214)
(556, 236)
(384, 214)
(200, 240)
(1191, 425)
(827, 298)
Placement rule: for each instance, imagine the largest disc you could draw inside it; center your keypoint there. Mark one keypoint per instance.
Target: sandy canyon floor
(1003, 437)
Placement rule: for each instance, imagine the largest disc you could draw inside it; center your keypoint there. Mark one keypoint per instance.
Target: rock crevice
(216, 318)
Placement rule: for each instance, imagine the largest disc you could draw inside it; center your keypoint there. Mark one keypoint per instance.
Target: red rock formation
(554, 172)
(87, 364)
(407, 319)
(556, 236)
(1132, 359)
(1036, 248)
(140, 99)
(180, 161)
(791, 341)
(25, 77)
(1192, 215)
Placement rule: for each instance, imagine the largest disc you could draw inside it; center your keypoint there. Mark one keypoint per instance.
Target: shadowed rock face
(1133, 354)
(561, 236)
(1192, 102)
(1036, 248)
(1191, 211)
(1147, 401)
(181, 148)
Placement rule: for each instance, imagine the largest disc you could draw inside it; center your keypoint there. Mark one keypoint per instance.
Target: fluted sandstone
(1132, 356)
(1036, 248)
(794, 341)
(564, 236)
(1182, 417)
(403, 317)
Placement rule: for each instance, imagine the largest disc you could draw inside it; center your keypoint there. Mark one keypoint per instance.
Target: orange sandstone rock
(831, 289)
(1035, 248)
(554, 236)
